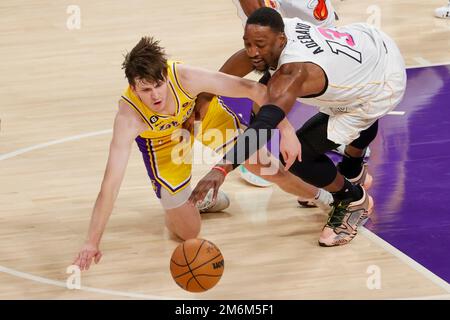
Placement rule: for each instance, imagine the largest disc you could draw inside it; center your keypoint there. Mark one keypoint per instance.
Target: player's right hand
(87, 253)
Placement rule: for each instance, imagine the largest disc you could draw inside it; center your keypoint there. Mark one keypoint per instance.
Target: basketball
(196, 265)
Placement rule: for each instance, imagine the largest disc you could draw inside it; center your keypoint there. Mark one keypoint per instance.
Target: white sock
(323, 200)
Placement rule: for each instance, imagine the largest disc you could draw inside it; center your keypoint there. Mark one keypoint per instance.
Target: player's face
(152, 94)
(263, 46)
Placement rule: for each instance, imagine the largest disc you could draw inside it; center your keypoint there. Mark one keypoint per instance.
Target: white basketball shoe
(208, 205)
(443, 12)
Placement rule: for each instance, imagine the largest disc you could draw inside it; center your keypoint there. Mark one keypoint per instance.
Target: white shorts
(345, 126)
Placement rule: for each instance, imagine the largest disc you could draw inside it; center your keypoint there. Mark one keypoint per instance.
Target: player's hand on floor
(212, 180)
(290, 148)
(88, 253)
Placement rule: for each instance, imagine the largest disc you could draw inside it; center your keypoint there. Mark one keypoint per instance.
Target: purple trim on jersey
(148, 155)
(142, 144)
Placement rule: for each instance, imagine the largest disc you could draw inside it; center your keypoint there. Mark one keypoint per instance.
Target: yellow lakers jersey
(162, 125)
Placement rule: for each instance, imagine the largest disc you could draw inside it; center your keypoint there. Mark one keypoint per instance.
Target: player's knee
(184, 231)
(187, 234)
(182, 224)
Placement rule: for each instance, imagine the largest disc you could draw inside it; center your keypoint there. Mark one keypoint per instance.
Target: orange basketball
(197, 265)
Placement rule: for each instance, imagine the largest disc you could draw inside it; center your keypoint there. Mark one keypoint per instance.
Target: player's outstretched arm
(126, 128)
(283, 89)
(248, 6)
(197, 80)
(239, 64)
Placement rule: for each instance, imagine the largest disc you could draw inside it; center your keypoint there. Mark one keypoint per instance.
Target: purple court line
(409, 162)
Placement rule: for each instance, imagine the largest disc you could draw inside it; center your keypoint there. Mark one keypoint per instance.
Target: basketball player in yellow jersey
(159, 99)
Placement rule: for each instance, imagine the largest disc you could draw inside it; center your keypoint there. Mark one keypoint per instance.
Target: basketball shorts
(345, 126)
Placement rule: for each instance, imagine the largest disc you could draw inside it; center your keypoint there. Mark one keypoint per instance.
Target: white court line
(422, 61)
(34, 278)
(51, 143)
(397, 113)
(406, 259)
(62, 284)
(428, 65)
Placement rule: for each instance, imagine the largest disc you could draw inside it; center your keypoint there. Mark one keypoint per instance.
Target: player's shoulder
(127, 113)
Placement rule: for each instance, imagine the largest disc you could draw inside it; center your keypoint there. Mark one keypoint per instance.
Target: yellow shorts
(169, 159)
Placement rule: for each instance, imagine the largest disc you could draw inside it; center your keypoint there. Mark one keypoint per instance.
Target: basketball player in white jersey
(317, 12)
(443, 12)
(355, 74)
(320, 13)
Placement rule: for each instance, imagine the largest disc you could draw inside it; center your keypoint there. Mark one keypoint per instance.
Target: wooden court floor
(60, 88)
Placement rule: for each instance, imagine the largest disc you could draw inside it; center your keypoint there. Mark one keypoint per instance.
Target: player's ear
(282, 39)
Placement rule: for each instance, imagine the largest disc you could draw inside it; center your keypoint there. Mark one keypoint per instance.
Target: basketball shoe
(208, 205)
(364, 179)
(344, 220)
(253, 179)
(443, 12)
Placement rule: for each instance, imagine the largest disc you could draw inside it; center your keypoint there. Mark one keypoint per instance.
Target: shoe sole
(306, 204)
(344, 241)
(365, 217)
(253, 179)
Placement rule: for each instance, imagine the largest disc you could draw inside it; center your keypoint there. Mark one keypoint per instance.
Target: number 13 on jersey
(341, 42)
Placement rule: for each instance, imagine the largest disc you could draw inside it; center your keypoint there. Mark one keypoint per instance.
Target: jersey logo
(153, 119)
(320, 10)
(185, 104)
(169, 125)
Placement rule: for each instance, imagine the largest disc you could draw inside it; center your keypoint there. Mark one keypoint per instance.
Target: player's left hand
(212, 180)
(290, 147)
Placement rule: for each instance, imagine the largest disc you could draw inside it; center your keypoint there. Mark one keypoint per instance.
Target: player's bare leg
(271, 169)
(184, 220)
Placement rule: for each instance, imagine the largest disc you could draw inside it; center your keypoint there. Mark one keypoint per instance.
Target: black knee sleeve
(315, 168)
(314, 133)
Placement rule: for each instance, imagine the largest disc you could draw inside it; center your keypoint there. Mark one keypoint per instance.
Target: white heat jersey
(353, 58)
(317, 12)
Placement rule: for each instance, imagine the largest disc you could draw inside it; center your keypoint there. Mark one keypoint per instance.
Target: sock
(348, 193)
(323, 199)
(350, 167)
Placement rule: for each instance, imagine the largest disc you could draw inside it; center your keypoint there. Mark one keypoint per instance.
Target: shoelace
(337, 214)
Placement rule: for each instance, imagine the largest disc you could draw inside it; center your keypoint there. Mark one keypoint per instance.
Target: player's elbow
(260, 96)
(275, 94)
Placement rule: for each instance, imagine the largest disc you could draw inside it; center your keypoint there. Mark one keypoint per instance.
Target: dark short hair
(267, 17)
(146, 61)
